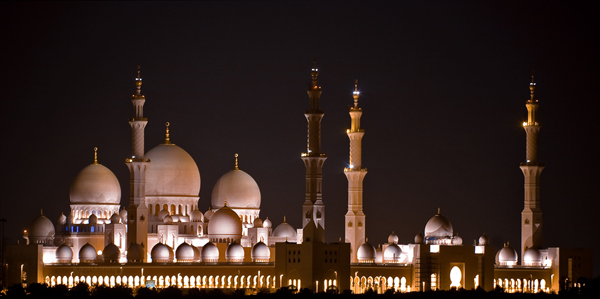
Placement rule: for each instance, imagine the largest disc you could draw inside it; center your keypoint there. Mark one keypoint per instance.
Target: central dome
(240, 190)
(172, 172)
(95, 184)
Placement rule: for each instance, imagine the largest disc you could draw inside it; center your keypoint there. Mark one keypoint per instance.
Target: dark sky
(443, 89)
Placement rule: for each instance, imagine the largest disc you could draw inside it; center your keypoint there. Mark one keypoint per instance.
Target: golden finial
(224, 202)
(95, 155)
(138, 81)
(167, 138)
(355, 94)
(532, 89)
(439, 211)
(284, 219)
(41, 211)
(236, 161)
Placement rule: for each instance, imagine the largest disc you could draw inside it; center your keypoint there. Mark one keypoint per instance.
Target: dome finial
(224, 202)
(167, 136)
(356, 94)
(95, 155)
(41, 211)
(138, 82)
(236, 161)
(284, 219)
(439, 211)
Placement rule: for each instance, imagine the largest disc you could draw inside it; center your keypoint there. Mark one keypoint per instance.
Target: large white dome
(95, 184)
(172, 172)
(238, 188)
(438, 227)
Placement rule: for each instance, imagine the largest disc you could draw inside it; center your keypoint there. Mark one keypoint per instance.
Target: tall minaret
(531, 217)
(355, 218)
(313, 206)
(137, 230)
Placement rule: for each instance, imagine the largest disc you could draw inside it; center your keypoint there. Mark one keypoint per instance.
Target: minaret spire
(313, 207)
(355, 217)
(137, 231)
(531, 216)
(236, 162)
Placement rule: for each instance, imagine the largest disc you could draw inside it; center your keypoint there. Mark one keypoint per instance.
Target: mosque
(164, 239)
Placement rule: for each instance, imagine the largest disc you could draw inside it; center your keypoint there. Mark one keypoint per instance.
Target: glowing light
(524, 124)
(351, 166)
(455, 277)
(479, 249)
(99, 252)
(356, 92)
(434, 248)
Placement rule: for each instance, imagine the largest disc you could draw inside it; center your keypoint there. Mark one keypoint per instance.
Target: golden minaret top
(138, 84)
(355, 95)
(532, 90)
(236, 162)
(314, 74)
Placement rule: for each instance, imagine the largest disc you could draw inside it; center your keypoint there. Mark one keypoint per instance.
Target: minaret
(531, 217)
(355, 218)
(137, 230)
(313, 206)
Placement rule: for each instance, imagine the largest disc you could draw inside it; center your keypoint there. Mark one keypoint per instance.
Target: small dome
(260, 252)
(456, 240)
(209, 213)
(391, 254)
(393, 238)
(267, 223)
(483, 240)
(173, 173)
(532, 257)
(111, 253)
(226, 224)
(162, 214)
(135, 253)
(438, 227)
(240, 190)
(210, 253)
(419, 238)
(40, 229)
(123, 215)
(64, 254)
(235, 253)
(168, 219)
(95, 184)
(161, 253)
(87, 253)
(115, 219)
(285, 230)
(185, 252)
(93, 219)
(366, 253)
(507, 256)
(258, 222)
(62, 219)
(196, 216)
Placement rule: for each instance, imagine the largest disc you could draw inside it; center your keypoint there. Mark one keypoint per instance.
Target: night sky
(443, 90)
